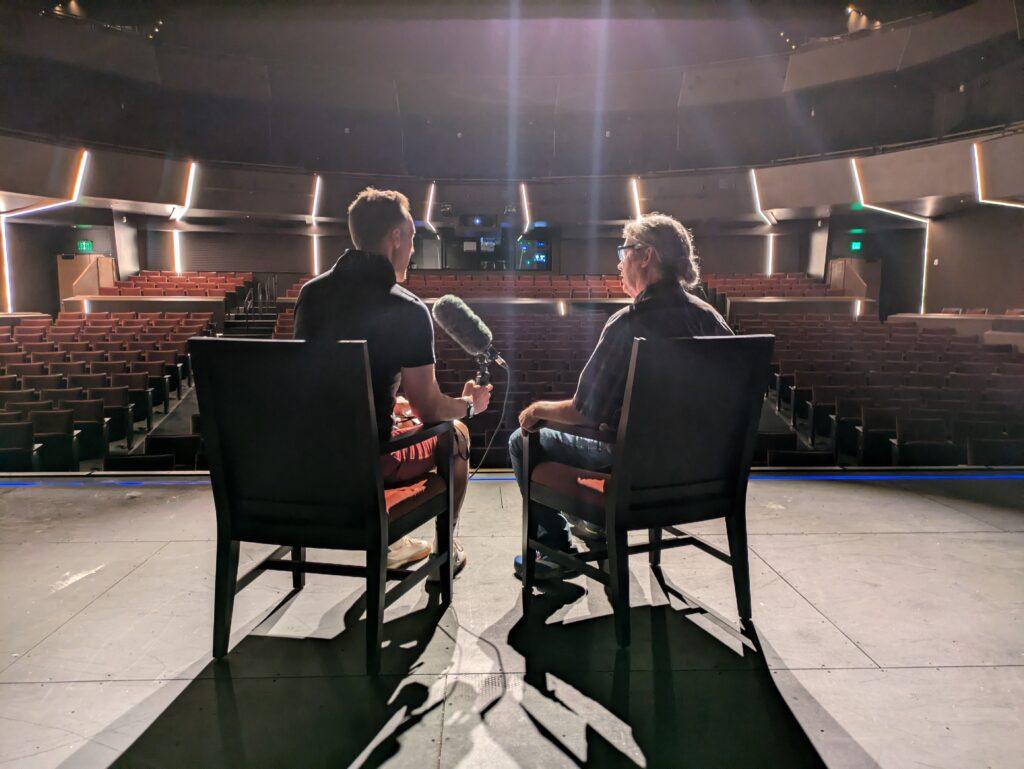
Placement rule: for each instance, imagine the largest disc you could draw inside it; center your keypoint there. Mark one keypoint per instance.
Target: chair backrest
(689, 421)
(16, 435)
(111, 396)
(151, 368)
(62, 394)
(88, 381)
(61, 421)
(90, 410)
(295, 460)
(135, 381)
(41, 381)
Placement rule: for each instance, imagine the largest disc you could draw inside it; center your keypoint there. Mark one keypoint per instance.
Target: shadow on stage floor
(689, 700)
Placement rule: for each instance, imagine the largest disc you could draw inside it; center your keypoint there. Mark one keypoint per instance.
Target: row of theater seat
(167, 283)
(1015, 311)
(553, 286)
(884, 393)
(545, 353)
(71, 386)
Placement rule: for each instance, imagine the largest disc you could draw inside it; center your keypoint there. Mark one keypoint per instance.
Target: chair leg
(654, 555)
(376, 584)
(618, 587)
(736, 528)
(224, 594)
(443, 537)
(529, 554)
(298, 577)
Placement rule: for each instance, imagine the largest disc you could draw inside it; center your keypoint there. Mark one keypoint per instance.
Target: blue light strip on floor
(756, 477)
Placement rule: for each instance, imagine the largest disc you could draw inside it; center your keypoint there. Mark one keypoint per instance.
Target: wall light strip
(757, 199)
(978, 184)
(430, 208)
(634, 186)
(8, 291)
(770, 257)
(525, 200)
(190, 184)
(176, 249)
(903, 215)
(76, 192)
(316, 254)
(890, 211)
(316, 201)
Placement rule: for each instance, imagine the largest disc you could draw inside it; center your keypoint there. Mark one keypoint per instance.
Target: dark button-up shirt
(662, 310)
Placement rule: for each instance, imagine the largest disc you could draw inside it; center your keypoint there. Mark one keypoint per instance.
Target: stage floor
(889, 611)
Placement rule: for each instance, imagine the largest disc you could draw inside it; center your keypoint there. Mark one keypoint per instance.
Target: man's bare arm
(431, 405)
(553, 411)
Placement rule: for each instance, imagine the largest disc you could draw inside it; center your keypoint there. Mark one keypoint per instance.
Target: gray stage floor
(889, 613)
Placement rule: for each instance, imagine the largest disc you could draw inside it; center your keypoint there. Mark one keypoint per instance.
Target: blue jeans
(585, 453)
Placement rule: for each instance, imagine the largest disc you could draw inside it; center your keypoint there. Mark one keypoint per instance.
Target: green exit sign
(855, 245)
(84, 246)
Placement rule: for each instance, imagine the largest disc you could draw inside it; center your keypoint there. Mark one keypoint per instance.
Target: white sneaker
(459, 563)
(407, 550)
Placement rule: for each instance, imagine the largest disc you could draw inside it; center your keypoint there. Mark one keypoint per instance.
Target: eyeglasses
(624, 250)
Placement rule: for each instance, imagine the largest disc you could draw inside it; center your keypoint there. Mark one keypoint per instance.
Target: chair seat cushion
(403, 500)
(581, 490)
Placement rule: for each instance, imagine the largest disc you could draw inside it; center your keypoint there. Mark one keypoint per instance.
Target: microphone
(469, 332)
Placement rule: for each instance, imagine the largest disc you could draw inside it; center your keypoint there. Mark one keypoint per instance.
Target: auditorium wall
(981, 259)
(33, 249)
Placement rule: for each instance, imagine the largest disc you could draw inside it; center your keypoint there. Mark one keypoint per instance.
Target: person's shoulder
(314, 286)
(713, 316)
(618, 323)
(406, 302)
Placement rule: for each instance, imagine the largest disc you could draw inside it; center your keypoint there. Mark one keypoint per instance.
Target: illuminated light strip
(76, 192)
(430, 208)
(903, 215)
(757, 199)
(856, 309)
(86, 306)
(978, 188)
(635, 189)
(770, 266)
(860, 199)
(316, 201)
(527, 221)
(316, 254)
(176, 248)
(179, 213)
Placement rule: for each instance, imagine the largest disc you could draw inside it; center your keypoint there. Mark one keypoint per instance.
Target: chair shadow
(681, 697)
(300, 702)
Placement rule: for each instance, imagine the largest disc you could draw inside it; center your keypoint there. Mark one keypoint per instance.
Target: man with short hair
(657, 266)
(360, 298)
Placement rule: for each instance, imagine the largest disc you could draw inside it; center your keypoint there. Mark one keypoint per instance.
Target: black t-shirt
(359, 299)
(663, 310)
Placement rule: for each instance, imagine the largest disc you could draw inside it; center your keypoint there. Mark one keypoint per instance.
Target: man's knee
(461, 448)
(515, 443)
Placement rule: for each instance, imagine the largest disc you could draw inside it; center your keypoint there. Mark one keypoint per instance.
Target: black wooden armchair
(295, 463)
(681, 454)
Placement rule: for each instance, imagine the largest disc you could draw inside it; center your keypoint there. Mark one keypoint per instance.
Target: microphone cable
(502, 363)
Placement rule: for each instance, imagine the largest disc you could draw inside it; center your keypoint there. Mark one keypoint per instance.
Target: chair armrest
(411, 439)
(582, 431)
